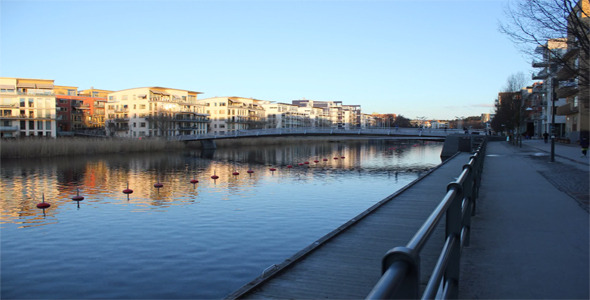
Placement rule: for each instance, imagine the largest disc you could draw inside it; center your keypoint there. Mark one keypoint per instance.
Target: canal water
(183, 240)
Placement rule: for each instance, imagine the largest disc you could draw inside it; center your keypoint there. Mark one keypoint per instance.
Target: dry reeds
(29, 148)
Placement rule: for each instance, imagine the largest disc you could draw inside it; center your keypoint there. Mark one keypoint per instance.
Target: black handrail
(401, 265)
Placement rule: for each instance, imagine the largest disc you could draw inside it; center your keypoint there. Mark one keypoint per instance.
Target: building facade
(154, 111)
(27, 108)
(229, 114)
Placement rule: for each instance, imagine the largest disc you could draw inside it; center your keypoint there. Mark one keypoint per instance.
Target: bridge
(208, 140)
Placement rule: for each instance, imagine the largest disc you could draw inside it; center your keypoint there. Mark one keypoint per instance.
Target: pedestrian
(545, 137)
(584, 145)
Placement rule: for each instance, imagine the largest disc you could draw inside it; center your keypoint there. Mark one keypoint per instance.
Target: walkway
(348, 265)
(530, 237)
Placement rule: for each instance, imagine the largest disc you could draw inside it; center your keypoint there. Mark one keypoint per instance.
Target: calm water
(184, 240)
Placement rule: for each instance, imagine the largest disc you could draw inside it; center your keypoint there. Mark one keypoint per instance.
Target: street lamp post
(553, 96)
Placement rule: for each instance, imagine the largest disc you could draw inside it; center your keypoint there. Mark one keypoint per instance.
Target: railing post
(453, 229)
(409, 287)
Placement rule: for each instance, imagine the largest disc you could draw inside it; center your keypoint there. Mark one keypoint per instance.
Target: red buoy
(78, 197)
(325, 159)
(127, 190)
(193, 181)
(289, 166)
(335, 157)
(214, 176)
(236, 173)
(43, 204)
(316, 161)
(301, 164)
(272, 169)
(307, 163)
(250, 171)
(342, 157)
(158, 185)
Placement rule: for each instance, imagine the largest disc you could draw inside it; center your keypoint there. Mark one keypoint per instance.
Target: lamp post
(553, 96)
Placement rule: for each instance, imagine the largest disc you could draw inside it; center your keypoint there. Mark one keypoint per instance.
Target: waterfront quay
(529, 235)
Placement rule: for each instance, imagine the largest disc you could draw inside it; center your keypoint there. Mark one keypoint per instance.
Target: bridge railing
(401, 265)
(323, 131)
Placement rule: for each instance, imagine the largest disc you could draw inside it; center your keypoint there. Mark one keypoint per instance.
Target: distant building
(154, 111)
(230, 114)
(337, 114)
(27, 107)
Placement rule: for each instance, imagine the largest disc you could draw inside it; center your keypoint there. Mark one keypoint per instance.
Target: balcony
(543, 74)
(567, 88)
(541, 64)
(567, 109)
(7, 105)
(8, 128)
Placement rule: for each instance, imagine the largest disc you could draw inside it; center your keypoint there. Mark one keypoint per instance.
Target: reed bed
(29, 148)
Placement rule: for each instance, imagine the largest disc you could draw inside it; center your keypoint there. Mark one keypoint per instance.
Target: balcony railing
(8, 128)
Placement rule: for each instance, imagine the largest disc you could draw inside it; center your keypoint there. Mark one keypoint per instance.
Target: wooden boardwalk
(346, 263)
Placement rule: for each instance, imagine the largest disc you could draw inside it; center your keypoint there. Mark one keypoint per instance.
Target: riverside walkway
(529, 237)
(346, 263)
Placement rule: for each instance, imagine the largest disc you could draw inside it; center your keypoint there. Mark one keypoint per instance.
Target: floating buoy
(301, 164)
(158, 185)
(127, 190)
(289, 166)
(236, 173)
(316, 161)
(335, 157)
(43, 204)
(306, 162)
(78, 197)
(342, 157)
(325, 159)
(272, 169)
(194, 180)
(214, 176)
(250, 171)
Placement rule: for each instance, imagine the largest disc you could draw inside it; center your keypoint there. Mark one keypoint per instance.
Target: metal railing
(401, 265)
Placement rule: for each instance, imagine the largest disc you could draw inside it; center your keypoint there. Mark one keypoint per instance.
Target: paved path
(530, 237)
(348, 265)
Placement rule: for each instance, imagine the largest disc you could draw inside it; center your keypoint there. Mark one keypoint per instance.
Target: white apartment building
(284, 115)
(230, 114)
(27, 108)
(337, 115)
(155, 111)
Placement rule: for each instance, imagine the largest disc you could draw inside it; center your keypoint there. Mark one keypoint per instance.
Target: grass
(29, 148)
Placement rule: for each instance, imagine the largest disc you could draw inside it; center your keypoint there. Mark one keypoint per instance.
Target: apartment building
(284, 115)
(549, 64)
(230, 114)
(571, 85)
(77, 111)
(27, 107)
(336, 114)
(154, 111)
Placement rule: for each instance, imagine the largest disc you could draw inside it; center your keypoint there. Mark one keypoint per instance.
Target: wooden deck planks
(349, 264)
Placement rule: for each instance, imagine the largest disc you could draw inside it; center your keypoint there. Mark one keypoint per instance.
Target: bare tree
(516, 82)
(532, 23)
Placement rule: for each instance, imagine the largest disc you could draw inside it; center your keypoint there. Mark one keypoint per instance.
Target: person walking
(545, 137)
(584, 145)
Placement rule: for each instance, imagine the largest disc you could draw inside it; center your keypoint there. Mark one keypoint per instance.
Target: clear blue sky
(433, 59)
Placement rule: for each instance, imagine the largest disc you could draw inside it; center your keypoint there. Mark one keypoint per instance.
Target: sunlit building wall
(229, 114)
(154, 111)
(27, 107)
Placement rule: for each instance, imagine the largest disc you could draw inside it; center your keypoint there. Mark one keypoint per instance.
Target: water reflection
(103, 178)
(184, 240)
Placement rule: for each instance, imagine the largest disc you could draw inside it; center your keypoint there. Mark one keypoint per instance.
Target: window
(71, 92)
(142, 124)
(22, 102)
(31, 102)
(142, 106)
(31, 125)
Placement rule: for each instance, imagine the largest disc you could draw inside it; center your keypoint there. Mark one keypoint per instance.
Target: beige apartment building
(154, 111)
(230, 114)
(337, 115)
(284, 115)
(27, 108)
